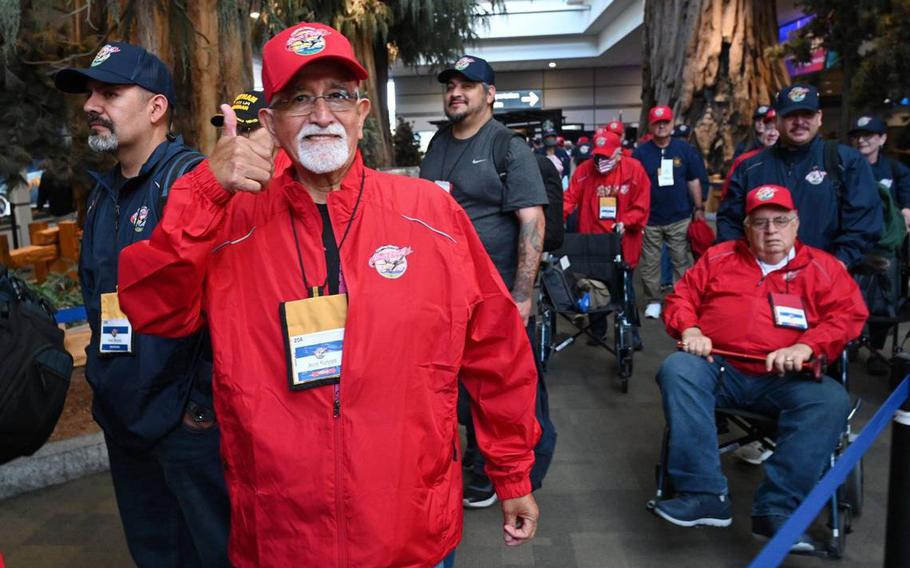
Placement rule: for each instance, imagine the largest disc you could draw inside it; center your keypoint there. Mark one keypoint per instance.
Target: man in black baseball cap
(120, 63)
(869, 135)
(152, 396)
(831, 184)
(758, 127)
(246, 106)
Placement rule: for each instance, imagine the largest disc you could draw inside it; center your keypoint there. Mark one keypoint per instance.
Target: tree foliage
(407, 144)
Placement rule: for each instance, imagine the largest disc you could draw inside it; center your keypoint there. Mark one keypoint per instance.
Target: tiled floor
(592, 503)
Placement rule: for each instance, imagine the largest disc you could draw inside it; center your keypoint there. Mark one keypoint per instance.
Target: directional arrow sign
(506, 100)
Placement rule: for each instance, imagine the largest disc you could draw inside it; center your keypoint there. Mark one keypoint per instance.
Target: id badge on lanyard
(116, 330)
(788, 311)
(313, 331)
(665, 173)
(606, 208)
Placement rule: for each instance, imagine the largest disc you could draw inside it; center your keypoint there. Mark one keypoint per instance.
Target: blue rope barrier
(70, 315)
(779, 546)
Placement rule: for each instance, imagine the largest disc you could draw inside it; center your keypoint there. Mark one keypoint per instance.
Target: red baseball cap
(769, 116)
(298, 46)
(583, 140)
(768, 195)
(659, 113)
(606, 143)
(616, 127)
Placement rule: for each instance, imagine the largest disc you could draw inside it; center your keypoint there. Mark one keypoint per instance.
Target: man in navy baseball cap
(796, 98)
(120, 63)
(472, 68)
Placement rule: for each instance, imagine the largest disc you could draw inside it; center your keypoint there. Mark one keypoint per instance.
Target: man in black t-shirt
(508, 215)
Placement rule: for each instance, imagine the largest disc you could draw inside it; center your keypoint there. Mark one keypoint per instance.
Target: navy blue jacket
(138, 397)
(896, 177)
(846, 230)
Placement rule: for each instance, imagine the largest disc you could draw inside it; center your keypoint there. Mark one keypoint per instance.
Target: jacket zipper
(339, 488)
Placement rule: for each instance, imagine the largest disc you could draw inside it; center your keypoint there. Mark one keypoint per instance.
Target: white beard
(323, 157)
(103, 142)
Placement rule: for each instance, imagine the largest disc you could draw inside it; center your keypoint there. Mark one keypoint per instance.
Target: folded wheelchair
(885, 284)
(595, 257)
(845, 504)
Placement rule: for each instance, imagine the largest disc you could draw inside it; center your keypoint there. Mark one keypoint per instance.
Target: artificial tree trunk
(372, 58)
(207, 47)
(705, 59)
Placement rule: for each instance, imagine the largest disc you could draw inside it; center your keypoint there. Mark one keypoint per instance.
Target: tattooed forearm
(530, 245)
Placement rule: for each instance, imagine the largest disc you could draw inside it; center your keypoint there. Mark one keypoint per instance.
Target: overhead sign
(506, 100)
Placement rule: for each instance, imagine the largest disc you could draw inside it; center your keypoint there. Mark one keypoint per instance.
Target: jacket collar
(801, 260)
(161, 152)
(341, 201)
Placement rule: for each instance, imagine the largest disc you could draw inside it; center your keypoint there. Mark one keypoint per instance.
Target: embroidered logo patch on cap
(463, 63)
(658, 112)
(765, 193)
(307, 40)
(863, 121)
(797, 94)
(103, 54)
(762, 109)
(390, 261)
(600, 141)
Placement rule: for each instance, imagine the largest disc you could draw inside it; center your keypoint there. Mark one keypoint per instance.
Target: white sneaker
(754, 453)
(653, 311)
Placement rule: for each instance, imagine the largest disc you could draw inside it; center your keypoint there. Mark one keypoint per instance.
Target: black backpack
(554, 230)
(35, 369)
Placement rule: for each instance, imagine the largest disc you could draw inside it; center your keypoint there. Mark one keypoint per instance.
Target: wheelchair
(593, 256)
(885, 285)
(845, 505)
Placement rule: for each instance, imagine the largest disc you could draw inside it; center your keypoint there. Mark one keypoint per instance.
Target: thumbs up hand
(238, 163)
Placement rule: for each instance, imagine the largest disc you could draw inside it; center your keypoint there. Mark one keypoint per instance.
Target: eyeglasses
(303, 104)
(762, 224)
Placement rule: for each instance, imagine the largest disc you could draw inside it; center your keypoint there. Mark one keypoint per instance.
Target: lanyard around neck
(314, 291)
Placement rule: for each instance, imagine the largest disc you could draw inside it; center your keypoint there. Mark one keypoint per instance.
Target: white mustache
(333, 129)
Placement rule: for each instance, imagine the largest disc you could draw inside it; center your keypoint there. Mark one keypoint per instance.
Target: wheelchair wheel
(853, 490)
(545, 327)
(622, 344)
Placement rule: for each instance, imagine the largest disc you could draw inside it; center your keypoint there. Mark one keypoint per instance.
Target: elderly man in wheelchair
(772, 305)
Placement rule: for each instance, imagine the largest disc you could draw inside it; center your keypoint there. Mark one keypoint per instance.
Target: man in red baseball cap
(338, 422)
(769, 295)
(674, 168)
(611, 193)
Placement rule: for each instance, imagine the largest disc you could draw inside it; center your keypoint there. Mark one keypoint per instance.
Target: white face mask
(606, 166)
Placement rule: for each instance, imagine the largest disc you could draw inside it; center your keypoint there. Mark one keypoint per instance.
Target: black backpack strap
(501, 142)
(835, 169)
(178, 165)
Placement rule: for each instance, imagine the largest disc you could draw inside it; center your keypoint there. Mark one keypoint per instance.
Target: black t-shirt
(490, 204)
(332, 260)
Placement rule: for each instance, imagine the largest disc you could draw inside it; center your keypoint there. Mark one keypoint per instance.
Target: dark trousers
(172, 499)
(546, 446)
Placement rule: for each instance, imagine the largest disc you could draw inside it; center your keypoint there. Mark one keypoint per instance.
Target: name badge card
(446, 186)
(607, 208)
(665, 173)
(313, 338)
(116, 331)
(788, 311)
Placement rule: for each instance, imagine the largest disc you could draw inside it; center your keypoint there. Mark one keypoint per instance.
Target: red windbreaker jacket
(725, 295)
(367, 475)
(629, 184)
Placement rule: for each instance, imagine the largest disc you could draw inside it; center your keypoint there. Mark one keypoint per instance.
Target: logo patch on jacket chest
(390, 261)
(816, 176)
(139, 218)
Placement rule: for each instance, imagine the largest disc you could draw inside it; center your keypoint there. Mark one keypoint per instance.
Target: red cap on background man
(605, 144)
(616, 127)
(764, 195)
(298, 46)
(659, 114)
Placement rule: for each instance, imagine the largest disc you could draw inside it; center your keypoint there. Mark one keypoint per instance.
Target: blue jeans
(172, 499)
(448, 561)
(811, 416)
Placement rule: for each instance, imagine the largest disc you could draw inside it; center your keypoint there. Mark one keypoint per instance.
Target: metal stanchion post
(897, 534)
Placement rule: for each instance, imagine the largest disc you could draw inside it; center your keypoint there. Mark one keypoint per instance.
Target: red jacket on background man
(725, 296)
(367, 474)
(629, 184)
